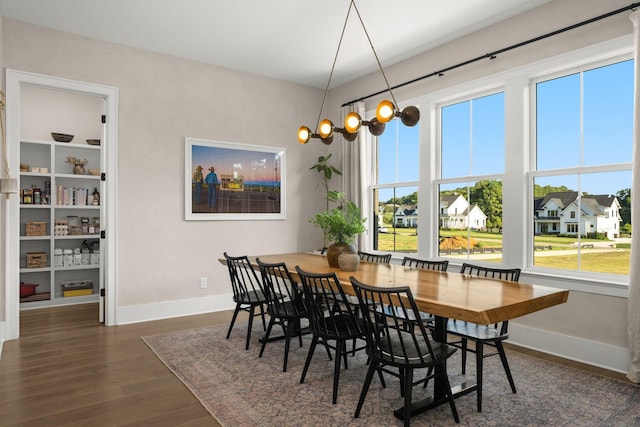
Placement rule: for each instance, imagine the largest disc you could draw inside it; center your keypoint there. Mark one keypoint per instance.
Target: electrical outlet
(203, 282)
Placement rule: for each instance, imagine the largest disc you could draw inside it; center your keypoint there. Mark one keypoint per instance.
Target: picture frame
(249, 181)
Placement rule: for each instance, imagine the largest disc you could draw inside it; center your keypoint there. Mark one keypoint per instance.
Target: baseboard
(593, 353)
(2, 335)
(177, 308)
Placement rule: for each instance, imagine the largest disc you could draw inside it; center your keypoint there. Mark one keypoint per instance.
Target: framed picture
(230, 181)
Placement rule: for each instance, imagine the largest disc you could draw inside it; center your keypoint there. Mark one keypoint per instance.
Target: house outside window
(579, 116)
(470, 183)
(395, 189)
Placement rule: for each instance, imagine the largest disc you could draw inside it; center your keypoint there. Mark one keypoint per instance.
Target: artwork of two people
(212, 183)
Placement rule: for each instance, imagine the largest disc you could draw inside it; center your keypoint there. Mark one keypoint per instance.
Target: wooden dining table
(443, 294)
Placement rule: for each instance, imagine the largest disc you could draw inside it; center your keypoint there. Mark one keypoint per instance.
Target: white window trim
(516, 85)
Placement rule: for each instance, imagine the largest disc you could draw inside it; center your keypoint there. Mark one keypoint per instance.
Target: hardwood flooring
(67, 369)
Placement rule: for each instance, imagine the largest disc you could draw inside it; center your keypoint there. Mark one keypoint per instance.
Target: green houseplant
(340, 225)
(327, 171)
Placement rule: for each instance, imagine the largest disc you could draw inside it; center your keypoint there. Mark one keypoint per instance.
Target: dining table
(446, 295)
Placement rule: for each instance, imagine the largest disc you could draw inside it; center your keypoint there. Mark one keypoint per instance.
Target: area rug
(240, 389)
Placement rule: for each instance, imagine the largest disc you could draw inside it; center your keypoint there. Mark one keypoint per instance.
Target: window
(583, 148)
(470, 184)
(524, 153)
(395, 191)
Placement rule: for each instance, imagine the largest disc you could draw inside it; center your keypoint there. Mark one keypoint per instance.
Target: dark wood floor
(67, 369)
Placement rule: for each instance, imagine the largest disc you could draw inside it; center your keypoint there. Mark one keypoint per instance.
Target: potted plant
(340, 225)
(327, 171)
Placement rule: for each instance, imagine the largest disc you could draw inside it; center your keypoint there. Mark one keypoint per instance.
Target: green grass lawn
(605, 262)
(405, 240)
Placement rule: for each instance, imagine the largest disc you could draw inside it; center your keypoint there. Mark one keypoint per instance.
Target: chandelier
(386, 111)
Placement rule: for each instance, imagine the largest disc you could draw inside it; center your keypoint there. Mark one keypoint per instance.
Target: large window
(395, 194)
(470, 185)
(581, 169)
(529, 168)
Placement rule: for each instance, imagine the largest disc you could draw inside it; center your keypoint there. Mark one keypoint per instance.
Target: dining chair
(425, 264)
(248, 292)
(481, 335)
(391, 345)
(330, 320)
(371, 257)
(285, 305)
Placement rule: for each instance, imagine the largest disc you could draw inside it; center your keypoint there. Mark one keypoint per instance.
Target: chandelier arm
(374, 53)
(333, 66)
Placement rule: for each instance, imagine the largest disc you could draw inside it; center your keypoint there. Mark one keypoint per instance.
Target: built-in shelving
(65, 202)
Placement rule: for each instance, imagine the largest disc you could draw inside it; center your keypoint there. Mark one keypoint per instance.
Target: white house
(406, 217)
(564, 213)
(456, 213)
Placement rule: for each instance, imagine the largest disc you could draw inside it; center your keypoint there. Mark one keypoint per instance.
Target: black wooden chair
(425, 264)
(285, 304)
(481, 335)
(330, 320)
(371, 257)
(391, 345)
(247, 292)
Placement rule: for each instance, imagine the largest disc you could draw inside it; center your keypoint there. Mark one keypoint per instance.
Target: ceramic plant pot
(348, 261)
(334, 250)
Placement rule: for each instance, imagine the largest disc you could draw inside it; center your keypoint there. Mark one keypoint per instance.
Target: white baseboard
(569, 347)
(3, 335)
(177, 308)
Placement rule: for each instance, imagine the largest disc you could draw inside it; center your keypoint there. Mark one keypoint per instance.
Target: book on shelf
(70, 196)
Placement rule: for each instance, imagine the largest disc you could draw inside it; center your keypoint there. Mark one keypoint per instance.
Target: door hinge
(104, 118)
(103, 176)
(103, 234)
(102, 293)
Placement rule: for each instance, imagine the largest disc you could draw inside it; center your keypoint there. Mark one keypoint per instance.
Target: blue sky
(601, 133)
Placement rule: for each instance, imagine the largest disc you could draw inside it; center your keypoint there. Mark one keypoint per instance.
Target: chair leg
(408, 388)
(299, 329)
(428, 377)
(479, 359)
(312, 347)
(264, 325)
(345, 353)
(465, 345)
(287, 341)
(251, 314)
(382, 382)
(452, 401)
(365, 387)
(505, 364)
(233, 320)
(266, 336)
(340, 350)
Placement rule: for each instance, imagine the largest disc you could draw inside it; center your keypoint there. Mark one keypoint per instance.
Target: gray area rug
(240, 389)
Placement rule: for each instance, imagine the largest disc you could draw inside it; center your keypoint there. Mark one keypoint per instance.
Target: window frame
(581, 66)
(462, 180)
(517, 235)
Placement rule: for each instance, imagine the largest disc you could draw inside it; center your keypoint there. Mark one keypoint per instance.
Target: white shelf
(53, 156)
(77, 267)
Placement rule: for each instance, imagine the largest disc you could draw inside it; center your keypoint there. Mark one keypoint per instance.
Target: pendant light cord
(491, 55)
(326, 90)
(375, 53)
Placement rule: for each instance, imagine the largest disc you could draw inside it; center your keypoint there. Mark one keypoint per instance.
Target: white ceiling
(292, 40)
